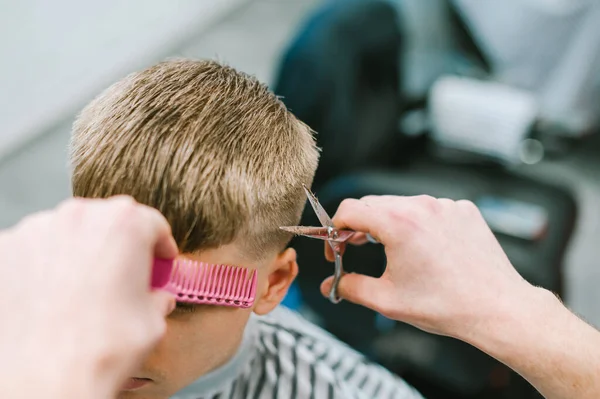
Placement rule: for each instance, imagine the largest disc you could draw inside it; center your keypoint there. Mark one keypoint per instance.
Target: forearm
(543, 341)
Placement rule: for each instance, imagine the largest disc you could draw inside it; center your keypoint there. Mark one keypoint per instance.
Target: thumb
(163, 302)
(357, 215)
(161, 305)
(373, 293)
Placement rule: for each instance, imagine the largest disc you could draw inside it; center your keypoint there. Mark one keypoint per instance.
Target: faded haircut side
(210, 147)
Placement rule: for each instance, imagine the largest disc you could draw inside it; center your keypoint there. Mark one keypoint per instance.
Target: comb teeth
(202, 283)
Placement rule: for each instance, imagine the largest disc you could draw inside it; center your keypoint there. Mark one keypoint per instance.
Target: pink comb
(202, 283)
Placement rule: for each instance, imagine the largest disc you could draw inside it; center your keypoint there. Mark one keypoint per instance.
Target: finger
(142, 234)
(330, 254)
(172, 305)
(373, 293)
(160, 235)
(358, 239)
(162, 303)
(358, 215)
(166, 247)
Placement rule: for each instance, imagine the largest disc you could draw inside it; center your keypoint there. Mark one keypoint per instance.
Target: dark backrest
(340, 76)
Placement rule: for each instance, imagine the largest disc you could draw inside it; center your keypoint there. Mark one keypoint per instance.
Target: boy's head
(222, 158)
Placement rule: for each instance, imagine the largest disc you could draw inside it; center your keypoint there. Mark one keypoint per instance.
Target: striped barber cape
(284, 356)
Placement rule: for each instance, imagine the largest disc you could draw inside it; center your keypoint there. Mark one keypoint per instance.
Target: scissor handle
(339, 271)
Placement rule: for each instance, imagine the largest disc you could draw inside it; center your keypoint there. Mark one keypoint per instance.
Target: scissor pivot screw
(332, 233)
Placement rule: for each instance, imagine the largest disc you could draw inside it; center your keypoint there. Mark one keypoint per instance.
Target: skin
(82, 250)
(471, 293)
(199, 339)
(447, 274)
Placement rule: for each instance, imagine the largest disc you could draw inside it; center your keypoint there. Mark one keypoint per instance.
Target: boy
(224, 161)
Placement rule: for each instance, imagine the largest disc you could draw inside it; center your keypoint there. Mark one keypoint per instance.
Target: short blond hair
(210, 147)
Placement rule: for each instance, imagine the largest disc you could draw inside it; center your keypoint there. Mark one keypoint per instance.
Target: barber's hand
(446, 272)
(76, 306)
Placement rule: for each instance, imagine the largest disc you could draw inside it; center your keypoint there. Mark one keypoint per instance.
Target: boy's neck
(230, 368)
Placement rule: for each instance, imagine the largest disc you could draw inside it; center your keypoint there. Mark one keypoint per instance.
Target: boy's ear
(281, 273)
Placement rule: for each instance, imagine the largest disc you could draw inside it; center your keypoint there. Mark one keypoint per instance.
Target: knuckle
(425, 199)
(429, 203)
(468, 206)
(122, 202)
(72, 208)
(369, 198)
(346, 207)
(445, 202)
(390, 198)
(123, 211)
(71, 214)
(402, 216)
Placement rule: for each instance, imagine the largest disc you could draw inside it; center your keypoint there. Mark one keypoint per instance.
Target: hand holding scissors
(335, 237)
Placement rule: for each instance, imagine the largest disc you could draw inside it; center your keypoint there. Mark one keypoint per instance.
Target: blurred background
(489, 100)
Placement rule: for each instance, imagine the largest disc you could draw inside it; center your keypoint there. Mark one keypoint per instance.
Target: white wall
(55, 55)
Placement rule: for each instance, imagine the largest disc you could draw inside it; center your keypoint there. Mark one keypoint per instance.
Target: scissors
(335, 237)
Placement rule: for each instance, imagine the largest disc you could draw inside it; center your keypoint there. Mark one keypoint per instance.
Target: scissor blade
(318, 208)
(320, 233)
(305, 230)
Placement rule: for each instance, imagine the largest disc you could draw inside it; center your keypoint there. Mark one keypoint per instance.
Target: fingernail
(171, 306)
(371, 239)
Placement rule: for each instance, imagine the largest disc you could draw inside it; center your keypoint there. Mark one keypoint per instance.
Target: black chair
(340, 75)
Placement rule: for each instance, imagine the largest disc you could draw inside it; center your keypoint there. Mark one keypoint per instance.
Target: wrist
(539, 338)
(517, 323)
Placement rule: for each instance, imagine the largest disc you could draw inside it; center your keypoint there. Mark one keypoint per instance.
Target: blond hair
(210, 147)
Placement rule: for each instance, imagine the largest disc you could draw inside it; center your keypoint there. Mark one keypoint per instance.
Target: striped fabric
(291, 358)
